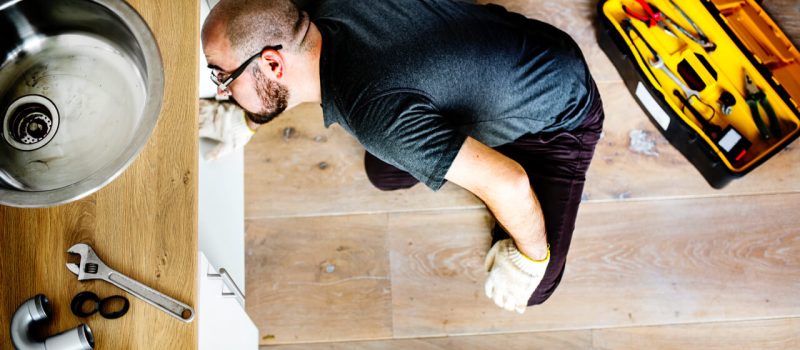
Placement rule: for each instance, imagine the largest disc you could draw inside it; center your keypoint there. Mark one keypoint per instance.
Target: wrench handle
(171, 306)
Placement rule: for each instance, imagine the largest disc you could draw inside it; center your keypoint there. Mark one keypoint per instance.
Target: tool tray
(707, 48)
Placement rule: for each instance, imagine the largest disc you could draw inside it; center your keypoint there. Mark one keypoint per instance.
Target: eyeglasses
(223, 83)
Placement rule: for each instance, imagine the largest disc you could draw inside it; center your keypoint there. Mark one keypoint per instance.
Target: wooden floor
(659, 259)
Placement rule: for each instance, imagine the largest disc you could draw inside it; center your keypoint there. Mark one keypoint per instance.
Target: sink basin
(81, 83)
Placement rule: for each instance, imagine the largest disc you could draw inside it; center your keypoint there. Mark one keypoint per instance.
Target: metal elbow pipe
(36, 310)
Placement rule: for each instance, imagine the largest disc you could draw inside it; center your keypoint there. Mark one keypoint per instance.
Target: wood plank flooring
(728, 258)
(320, 278)
(644, 270)
(777, 334)
(659, 260)
(296, 167)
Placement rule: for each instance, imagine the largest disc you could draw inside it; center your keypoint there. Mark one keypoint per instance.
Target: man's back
(411, 79)
(477, 64)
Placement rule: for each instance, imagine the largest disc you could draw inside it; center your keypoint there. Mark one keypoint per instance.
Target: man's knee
(386, 177)
(387, 184)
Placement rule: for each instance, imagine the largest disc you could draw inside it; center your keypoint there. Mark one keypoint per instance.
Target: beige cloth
(224, 123)
(512, 276)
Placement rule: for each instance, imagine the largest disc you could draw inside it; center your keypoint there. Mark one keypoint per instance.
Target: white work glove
(512, 276)
(224, 123)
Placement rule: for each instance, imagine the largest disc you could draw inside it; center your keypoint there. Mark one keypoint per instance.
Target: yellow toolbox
(718, 77)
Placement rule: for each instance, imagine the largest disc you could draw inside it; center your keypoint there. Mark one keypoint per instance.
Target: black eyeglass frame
(223, 86)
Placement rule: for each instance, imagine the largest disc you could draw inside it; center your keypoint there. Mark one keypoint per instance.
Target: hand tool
(91, 267)
(652, 16)
(712, 130)
(629, 27)
(754, 96)
(656, 61)
(701, 38)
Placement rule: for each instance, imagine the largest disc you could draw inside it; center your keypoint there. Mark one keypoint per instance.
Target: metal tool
(656, 62)
(629, 27)
(712, 130)
(91, 267)
(701, 38)
(652, 16)
(754, 97)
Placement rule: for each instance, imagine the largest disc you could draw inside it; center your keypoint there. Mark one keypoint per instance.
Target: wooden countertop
(143, 224)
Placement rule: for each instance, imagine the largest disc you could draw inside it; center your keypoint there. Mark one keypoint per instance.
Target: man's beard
(274, 97)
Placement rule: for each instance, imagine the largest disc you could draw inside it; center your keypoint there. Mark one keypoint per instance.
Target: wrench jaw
(90, 267)
(80, 249)
(74, 269)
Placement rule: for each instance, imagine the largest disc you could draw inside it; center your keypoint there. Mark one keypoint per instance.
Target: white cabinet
(220, 210)
(220, 194)
(222, 320)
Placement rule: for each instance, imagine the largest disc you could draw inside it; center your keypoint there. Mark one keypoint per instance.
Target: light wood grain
(778, 334)
(284, 177)
(315, 279)
(578, 340)
(294, 166)
(786, 14)
(143, 224)
(621, 170)
(631, 263)
(666, 262)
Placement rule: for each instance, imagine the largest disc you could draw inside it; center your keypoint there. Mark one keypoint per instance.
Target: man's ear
(274, 61)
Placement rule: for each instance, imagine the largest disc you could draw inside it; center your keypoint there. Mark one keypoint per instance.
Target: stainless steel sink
(81, 83)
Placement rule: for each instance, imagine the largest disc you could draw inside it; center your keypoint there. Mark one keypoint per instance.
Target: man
(435, 90)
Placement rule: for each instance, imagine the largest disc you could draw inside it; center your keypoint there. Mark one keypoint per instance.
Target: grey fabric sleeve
(406, 130)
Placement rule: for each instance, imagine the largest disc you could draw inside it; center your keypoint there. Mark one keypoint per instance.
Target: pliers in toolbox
(754, 96)
(652, 16)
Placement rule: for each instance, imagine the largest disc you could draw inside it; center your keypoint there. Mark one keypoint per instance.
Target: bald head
(250, 25)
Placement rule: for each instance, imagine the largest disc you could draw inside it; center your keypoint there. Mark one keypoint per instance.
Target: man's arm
(503, 185)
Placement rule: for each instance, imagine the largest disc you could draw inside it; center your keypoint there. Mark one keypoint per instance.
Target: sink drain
(30, 122)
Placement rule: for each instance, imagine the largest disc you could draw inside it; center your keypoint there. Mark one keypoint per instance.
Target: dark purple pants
(556, 164)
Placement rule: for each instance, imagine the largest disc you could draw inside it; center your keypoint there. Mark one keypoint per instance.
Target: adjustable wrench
(713, 130)
(91, 267)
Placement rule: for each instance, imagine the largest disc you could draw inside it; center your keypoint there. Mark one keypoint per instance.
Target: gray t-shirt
(411, 79)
